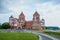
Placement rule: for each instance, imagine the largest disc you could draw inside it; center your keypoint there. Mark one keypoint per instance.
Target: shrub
(5, 25)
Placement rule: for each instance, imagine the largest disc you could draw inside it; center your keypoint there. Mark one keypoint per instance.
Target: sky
(48, 9)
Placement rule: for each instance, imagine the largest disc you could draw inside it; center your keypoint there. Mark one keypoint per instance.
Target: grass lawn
(57, 34)
(18, 36)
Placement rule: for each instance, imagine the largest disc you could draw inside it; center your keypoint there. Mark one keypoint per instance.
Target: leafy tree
(5, 25)
(0, 25)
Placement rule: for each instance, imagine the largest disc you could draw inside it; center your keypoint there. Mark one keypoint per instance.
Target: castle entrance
(19, 28)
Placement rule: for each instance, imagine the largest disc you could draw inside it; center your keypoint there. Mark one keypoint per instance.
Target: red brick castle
(21, 23)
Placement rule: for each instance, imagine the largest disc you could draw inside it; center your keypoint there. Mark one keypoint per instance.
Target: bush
(0, 25)
(5, 25)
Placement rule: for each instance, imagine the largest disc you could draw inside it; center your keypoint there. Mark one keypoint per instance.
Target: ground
(18, 36)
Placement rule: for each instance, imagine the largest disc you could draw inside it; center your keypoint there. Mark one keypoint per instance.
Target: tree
(0, 25)
(5, 25)
(46, 27)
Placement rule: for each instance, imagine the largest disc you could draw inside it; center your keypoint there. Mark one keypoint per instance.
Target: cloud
(53, 1)
(3, 7)
(4, 18)
(49, 12)
(48, 9)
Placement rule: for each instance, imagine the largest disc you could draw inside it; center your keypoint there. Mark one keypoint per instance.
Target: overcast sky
(48, 9)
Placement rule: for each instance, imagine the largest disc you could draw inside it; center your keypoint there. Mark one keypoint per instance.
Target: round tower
(11, 21)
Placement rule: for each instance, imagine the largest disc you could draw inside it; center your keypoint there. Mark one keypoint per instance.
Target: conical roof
(36, 13)
(11, 16)
(42, 19)
(22, 14)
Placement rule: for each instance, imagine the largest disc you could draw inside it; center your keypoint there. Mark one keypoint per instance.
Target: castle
(36, 23)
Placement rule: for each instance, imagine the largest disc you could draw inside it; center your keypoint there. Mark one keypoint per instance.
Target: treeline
(5, 25)
(52, 27)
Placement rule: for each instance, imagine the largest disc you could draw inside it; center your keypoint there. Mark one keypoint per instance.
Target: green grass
(18, 36)
(57, 34)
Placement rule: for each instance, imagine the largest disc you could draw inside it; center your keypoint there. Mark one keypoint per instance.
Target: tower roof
(42, 19)
(11, 16)
(36, 13)
(22, 14)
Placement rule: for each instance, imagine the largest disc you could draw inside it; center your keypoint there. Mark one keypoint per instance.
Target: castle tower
(42, 22)
(36, 21)
(21, 20)
(11, 21)
(36, 18)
